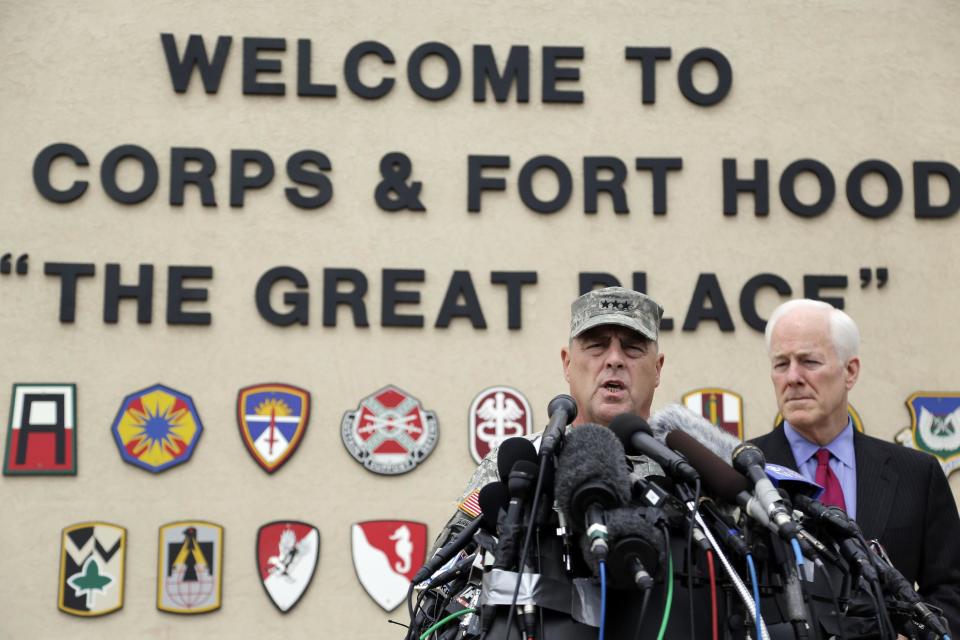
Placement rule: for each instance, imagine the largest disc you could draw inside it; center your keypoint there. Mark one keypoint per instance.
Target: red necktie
(826, 478)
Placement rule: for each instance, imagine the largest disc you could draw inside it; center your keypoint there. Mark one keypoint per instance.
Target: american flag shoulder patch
(471, 504)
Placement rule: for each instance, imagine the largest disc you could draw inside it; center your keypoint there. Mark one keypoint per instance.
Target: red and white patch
(386, 556)
(287, 553)
(721, 407)
(389, 433)
(496, 414)
(42, 437)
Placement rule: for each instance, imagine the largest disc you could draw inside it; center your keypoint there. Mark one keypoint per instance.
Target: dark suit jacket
(905, 502)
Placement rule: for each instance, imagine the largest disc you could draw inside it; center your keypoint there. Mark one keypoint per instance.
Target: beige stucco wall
(840, 82)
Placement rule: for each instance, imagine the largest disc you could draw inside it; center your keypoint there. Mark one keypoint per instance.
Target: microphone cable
(440, 623)
(713, 597)
(692, 515)
(797, 553)
(603, 598)
(741, 588)
(756, 592)
(669, 602)
(643, 612)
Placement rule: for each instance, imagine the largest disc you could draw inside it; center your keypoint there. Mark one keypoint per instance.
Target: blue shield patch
(272, 420)
(934, 427)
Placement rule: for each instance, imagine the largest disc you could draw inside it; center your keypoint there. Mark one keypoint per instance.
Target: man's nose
(615, 356)
(794, 373)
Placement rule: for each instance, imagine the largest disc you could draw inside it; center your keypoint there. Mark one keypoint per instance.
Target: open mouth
(613, 386)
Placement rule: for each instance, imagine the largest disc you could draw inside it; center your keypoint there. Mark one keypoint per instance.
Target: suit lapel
(876, 485)
(777, 449)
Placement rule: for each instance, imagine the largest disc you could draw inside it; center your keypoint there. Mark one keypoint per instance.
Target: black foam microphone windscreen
(493, 498)
(511, 451)
(592, 469)
(631, 536)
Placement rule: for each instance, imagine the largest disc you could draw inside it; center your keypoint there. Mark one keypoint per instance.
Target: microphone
(719, 478)
(721, 481)
(511, 451)
(636, 550)
(749, 460)
(591, 477)
(637, 438)
(522, 477)
(493, 499)
(834, 519)
(562, 411)
(463, 538)
(901, 589)
(677, 417)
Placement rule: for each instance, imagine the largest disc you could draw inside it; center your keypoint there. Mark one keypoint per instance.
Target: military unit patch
(496, 414)
(157, 428)
(272, 420)
(386, 556)
(287, 554)
(42, 436)
(934, 427)
(721, 407)
(190, 567)
(389, 433)
(91, 569)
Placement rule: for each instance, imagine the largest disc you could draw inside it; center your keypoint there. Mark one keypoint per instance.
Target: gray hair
(843, 330)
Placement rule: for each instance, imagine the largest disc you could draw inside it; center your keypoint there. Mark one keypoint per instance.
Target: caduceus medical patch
(389, 433)
(496, 414)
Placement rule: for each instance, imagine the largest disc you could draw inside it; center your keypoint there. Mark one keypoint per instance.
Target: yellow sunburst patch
(273, 406)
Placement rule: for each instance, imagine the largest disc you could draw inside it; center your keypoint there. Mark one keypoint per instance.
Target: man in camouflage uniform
(612, 364)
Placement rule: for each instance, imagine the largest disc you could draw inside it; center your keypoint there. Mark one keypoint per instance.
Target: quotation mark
(866, 275)
(21, 264)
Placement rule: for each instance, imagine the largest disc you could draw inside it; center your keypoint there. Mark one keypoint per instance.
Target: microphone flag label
(722, 408)
(934, 427)
(157, 428)
(190, 571)
(287, 554)
(497, 413)
(42, 433)
(92, 558)
(389, 433)
(272, 420)
(792, 481)
(386, 557)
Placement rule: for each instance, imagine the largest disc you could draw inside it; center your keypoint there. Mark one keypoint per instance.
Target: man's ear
(852, 372)
(565, 359)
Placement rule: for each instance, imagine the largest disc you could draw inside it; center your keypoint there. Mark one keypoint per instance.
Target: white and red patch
(42, 436)
(386, 556)
(496, 414)
(287, 554)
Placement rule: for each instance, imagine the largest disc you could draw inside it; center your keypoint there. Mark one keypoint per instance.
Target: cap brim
(617, 319)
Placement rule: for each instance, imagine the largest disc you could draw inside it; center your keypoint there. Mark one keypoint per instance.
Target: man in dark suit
(899, 496)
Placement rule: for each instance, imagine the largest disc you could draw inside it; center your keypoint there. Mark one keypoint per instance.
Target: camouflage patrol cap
(616, 305)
